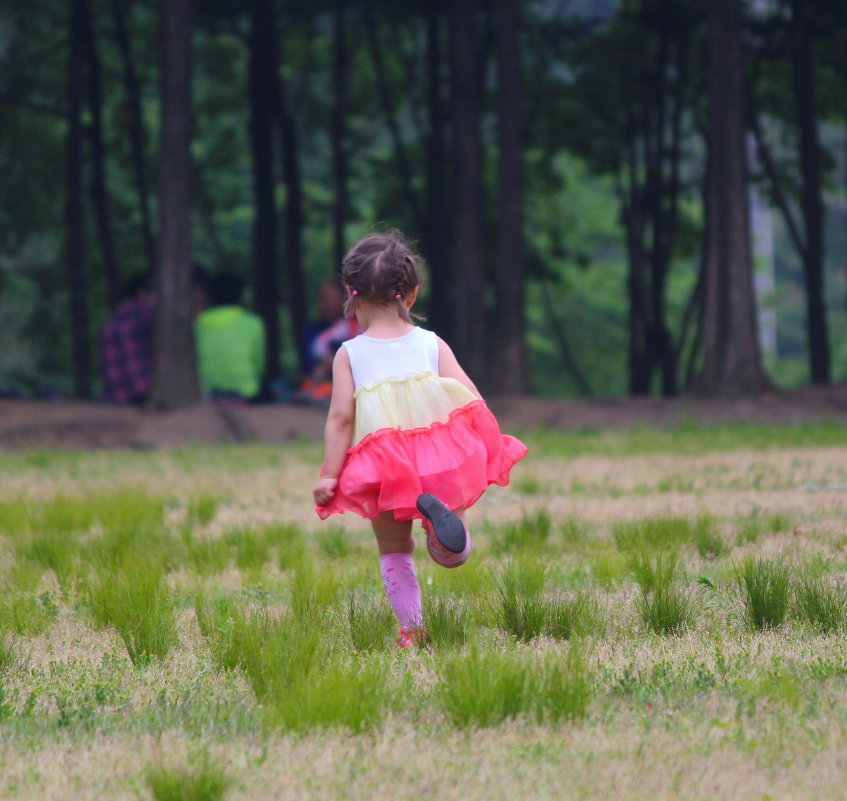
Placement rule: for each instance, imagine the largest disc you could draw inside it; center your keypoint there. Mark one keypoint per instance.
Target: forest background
(565, 166)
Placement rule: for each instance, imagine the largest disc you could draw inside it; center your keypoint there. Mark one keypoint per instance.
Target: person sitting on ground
(321, 341)
(126, 344)
(230, 343)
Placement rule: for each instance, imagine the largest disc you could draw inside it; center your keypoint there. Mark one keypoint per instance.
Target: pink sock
(401, 587)
(440, 555)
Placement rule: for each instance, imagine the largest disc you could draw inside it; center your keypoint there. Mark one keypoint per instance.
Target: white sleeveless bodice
(374, 360)
(398, 385)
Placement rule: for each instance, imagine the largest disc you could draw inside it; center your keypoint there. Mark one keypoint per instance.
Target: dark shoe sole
(446, 525)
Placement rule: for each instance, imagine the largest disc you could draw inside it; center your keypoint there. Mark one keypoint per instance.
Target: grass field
(648, 615)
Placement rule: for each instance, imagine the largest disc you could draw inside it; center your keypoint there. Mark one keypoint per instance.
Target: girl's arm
(449, 367)
(338, 433)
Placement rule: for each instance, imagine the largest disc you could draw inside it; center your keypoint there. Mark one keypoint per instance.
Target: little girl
(408, 435)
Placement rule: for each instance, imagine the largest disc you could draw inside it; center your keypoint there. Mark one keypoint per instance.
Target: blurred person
(126, 344)
(230, 343)
(321, 341)
(315, 343)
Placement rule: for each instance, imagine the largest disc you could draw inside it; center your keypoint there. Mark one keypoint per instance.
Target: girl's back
(373, 360)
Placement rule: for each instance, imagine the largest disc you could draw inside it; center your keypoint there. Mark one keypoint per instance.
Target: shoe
(408, 637)
(445, 525)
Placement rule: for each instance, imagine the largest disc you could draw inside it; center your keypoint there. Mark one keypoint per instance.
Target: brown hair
(381, 268)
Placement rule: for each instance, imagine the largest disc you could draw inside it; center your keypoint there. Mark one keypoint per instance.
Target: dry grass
(719, 711)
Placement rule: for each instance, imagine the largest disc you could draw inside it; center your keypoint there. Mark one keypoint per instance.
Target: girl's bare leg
(393, 536)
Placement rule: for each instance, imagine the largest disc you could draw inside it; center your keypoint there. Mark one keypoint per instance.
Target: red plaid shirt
(127, 352)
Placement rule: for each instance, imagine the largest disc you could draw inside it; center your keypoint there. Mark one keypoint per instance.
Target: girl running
(408, 435)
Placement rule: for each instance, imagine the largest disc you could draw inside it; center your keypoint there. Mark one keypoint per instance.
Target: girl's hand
(324, 490)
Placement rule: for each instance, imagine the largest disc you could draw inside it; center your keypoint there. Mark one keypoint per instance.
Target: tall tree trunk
(74, 212)
(813, 254)
(401, 156)
(136, 130)
(98, 191)
(262, 77)
(510, 374)
(468, 233)
(175, 381)
(438, 206)
(338, 132)
(659, 341)
(294, 217)
(731, 357)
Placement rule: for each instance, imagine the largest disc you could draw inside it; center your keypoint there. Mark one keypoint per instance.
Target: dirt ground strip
(39, 424)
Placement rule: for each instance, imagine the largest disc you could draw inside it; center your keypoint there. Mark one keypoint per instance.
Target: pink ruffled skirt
(455, 460)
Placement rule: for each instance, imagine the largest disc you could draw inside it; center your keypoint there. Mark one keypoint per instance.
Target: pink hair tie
(355, 292)
(398, 296)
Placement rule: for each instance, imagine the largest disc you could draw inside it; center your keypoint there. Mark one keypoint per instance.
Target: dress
(416, 432)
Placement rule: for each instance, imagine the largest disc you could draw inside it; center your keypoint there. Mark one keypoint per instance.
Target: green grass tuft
(573, 615)
(334, 697)
(664, 606)
(483, 689)
(821, 603)
(271, 651)
(334, 542)
(765, 586)
(202, 510)
(202, 779)
(446, 621)
(707, 538)
(371, 622)
(531, 532)
(136, 602)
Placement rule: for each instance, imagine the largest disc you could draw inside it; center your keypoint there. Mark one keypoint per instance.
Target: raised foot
(446, 526)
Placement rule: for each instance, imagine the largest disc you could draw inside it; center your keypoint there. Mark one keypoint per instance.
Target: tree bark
(175, 383)
(74, 212)
(731, 357)
(294, 218)
(468, 231)
(338, 132)
(136, 130)
(262, 72)
(98, 191)
(437, 237)
(510, 374)
(401, 155)
(813, 255)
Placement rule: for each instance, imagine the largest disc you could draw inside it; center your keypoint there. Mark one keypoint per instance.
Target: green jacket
(230, 350)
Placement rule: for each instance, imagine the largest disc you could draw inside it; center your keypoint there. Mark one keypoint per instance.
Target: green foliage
(201, 779)
(446, 620)
(371, 622)
(250, 546)
(667, 609)
(485, 688)
(136, 602)
(9, 655)
(572, 615)
(272, 651)
(334, 542)
(332, 697)
(821, 603)
(531, 532)
(26, 615)
(520, 607)
(755, 524)
(658, 532)
(201, 509)
(765, 586)
(707, 538)
(664, 607)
